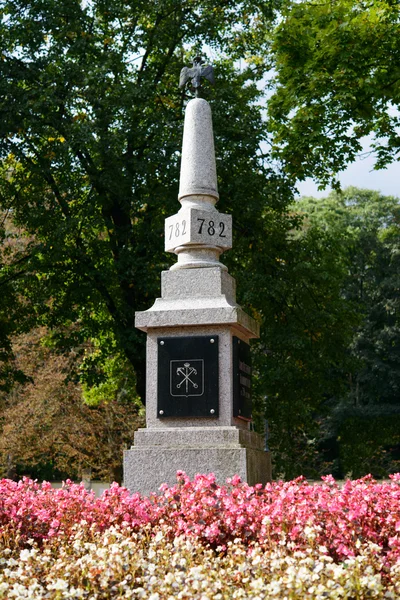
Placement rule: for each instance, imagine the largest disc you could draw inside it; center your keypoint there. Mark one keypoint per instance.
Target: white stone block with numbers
(194, 226)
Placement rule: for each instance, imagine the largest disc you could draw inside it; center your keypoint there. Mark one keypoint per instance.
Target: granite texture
(199, 312)
(198, 233)
(197, 297)
(198, 256)
(146, 468)
(213, 437)
(198, 284)
(198, 170)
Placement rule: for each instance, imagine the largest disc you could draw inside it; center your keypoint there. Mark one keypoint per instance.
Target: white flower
(159, 536)
(76, 593)
(309, 532)
(101, 552)
(274, 588)
(257, 584)
(59, 584)
(196, 585)
(196, 572)
(25, 555)
(12, 562)
(18, 591)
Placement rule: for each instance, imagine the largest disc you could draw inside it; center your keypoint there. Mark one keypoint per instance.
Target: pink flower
(216, 514)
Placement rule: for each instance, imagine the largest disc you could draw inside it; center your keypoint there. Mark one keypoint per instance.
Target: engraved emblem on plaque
(187, 377)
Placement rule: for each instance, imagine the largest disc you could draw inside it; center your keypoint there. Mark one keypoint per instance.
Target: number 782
(179, 228)
(211, 228)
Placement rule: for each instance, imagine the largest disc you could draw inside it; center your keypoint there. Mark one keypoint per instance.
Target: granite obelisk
(198, 398)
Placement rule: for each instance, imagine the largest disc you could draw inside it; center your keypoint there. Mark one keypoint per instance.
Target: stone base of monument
(225, 451)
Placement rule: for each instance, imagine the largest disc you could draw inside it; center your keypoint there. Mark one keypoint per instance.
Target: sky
(361, 174)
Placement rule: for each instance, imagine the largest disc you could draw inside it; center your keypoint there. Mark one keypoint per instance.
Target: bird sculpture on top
(195, 74)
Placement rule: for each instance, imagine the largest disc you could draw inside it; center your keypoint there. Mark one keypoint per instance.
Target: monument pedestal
(225, 451)
(198, 306)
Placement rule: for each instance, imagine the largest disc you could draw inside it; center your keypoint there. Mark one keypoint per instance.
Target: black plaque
(188, 376)
(241, 380)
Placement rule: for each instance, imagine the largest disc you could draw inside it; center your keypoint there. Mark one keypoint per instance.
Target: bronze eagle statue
(195, 74)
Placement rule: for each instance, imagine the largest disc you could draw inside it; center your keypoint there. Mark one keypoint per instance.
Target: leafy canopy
(90, 132)
(337, 80)
(368, 225)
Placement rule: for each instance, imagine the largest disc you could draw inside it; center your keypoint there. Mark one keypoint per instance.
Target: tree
(301, 357)
(362, 428)
(91, 125)
(337, 80)
(48, 432)
(367, 224)
(378, 342)
(11, 312)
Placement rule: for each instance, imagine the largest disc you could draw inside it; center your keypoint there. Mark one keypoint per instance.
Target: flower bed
(201, 540)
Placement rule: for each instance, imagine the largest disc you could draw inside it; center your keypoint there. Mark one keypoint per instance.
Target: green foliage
(90, 132)
(301, 357)
(366, 225)
(369, 440)
(48, 431)
(11, 311)
(377, 344)
(359, 431)
(91, 125)
(337, 80)
(118, 383)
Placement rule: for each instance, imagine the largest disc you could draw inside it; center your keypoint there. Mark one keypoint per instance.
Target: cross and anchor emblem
(187, 377)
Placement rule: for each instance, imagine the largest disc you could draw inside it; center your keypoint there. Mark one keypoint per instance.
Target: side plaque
(241, 380)
(188, 376)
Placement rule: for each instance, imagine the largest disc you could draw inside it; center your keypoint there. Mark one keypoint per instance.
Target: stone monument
(198, 397)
